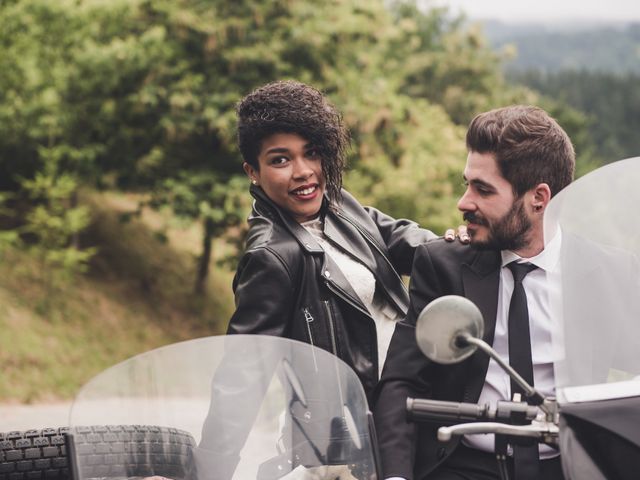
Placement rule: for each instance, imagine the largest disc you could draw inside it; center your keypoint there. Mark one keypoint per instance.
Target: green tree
(158, 82)
(448, 61)
(140, 95)
(39, 166)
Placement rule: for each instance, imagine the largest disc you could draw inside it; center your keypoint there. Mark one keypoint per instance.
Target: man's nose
(465, 203)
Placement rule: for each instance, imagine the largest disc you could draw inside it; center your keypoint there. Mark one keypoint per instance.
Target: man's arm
(406, 373)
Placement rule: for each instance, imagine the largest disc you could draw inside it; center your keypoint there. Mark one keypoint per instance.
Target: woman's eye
(312, 154)
(278, 160)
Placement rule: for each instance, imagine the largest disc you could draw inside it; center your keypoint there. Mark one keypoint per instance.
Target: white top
(497, 384)
(364, 284)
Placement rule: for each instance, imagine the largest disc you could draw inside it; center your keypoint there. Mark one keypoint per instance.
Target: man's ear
(541, 197)
(251, 172)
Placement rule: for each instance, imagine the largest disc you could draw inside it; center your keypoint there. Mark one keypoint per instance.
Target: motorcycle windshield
(595, 303)
(232, 407)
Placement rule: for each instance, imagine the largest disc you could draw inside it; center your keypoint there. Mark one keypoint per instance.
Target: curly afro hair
(294, 107)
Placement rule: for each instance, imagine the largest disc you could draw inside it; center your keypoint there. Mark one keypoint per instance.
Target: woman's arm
(401, 237)
(264, 294)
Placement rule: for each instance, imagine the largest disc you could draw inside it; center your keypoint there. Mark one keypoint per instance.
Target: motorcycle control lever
(547, 431)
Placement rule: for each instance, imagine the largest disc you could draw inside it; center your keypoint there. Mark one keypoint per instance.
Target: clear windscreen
(595, 301)
(241, 407)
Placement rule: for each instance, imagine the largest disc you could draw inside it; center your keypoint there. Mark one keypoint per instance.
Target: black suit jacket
(596, 280)
(411, 450)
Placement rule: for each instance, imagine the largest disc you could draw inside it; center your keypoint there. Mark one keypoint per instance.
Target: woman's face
(290, 174)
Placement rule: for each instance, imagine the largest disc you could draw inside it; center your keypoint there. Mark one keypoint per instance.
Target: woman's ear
(251, 172)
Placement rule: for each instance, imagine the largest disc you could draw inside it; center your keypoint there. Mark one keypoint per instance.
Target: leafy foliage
(140, 95)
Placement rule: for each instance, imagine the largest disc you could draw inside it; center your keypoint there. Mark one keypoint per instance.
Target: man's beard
(507, 233)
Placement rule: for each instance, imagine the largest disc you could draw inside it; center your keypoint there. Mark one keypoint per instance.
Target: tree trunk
(73, 203)
(205, 258)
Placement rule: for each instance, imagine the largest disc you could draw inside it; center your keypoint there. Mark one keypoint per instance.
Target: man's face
(495, 217)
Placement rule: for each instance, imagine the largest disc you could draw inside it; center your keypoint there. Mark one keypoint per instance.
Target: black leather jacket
(285, 285)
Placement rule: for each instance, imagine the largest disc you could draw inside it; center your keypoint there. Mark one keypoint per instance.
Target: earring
(255, 182)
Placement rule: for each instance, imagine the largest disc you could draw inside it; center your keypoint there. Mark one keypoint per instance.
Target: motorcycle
(594, 418)
(233, 407)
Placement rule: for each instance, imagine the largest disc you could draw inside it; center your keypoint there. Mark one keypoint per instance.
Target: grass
(56, 332)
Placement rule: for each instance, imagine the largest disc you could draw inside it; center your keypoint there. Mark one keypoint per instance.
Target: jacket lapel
(348, 238)
(481, 279)
(350, 242)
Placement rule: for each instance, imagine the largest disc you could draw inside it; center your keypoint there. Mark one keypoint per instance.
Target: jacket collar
(332, 229)
(337, 231)
(265, 206)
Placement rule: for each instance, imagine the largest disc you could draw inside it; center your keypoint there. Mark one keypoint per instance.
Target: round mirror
(441, 323)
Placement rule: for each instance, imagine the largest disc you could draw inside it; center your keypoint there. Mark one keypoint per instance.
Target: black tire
(102, 451)
(34, 455)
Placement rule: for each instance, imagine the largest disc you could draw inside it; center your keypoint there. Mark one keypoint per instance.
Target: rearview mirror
(442, 326)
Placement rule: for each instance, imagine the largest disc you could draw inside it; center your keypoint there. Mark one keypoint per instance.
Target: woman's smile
(306, 192)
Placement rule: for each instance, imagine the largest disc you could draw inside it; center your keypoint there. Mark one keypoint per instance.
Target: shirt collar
(546, 260)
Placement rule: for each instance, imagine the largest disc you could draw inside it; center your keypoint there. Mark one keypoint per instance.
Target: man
(519, 158)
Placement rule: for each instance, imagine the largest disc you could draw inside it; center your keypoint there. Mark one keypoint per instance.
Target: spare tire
(34, 454)
(101, 451)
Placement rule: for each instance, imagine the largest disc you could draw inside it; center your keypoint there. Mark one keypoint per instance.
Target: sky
(546, 10)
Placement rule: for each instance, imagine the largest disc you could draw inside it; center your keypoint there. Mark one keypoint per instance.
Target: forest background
(122, 198)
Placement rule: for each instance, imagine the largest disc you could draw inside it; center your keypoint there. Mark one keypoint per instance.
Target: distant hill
(595, 47)
(593, 67)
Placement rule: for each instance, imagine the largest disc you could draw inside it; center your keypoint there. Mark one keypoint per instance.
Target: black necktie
(525, 458)
(519, 339)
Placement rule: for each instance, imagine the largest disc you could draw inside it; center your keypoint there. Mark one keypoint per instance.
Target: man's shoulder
(449, 258)
(450, 251)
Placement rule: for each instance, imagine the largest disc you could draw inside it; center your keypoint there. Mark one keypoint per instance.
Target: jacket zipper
(308, 318)
(331, 328)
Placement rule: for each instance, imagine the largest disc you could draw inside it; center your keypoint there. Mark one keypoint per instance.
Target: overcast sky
(548, 10)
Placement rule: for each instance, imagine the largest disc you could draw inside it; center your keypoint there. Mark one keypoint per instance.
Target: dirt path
(38, 416)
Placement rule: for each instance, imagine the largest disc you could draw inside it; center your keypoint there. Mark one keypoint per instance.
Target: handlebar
(443, 413)
(513, 419)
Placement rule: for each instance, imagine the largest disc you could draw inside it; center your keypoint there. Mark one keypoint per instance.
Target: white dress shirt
(497, 384)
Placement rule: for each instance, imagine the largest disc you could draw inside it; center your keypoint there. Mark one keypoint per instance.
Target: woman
(318, 267)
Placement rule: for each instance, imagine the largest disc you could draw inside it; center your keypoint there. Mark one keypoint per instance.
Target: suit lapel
(481, 280)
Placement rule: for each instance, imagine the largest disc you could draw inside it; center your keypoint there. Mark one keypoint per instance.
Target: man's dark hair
(294, 107)
(529, 146)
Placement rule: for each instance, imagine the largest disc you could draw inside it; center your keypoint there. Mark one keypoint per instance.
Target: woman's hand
(325, 472)
(451, 234)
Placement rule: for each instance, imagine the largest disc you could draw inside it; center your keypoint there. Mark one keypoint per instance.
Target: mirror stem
(536, 398)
